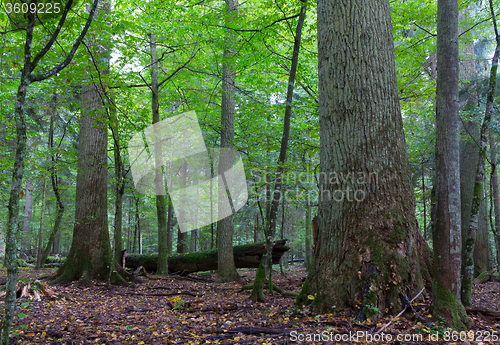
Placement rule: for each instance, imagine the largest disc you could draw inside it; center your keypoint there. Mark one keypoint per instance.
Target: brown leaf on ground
(196, 310)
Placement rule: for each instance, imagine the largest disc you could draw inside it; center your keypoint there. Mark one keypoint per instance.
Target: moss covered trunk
(369, 251)
(245, 256)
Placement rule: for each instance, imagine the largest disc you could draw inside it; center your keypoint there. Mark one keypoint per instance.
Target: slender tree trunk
(256, 228)
(273, 210)
(119, 192)
(468, 258)
(282, 228)
(139, 238)
(170, 216)
(369, 251)
(40, 230)
(137, 225)
(180, 241)
(424, 201)
(308, 249)
(120, 184)
(55, 188)
(495, 195)
(182, 237)
(13, 208)
(129, 243)
(15, 188)
(28, 211)
(226, 268)
(482, 248)
(447, 239)
(469, 155)
(161, 204)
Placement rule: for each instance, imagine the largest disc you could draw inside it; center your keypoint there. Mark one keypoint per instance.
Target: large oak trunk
(90, 253)
(369, 252)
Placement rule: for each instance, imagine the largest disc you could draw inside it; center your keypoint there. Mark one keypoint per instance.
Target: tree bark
(137, 228)
(170, 216)
(90, 253)
(495, 195)
(468, 258)
(182, 237)
(226, 269)
(369, 251)
(119, 189)
(469, 155)
(447, 239)
(308, 249)
(28, 211)
(40, 230)
(161, 204)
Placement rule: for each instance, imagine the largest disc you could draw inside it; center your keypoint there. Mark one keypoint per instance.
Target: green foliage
(45, 10)
(191, 40)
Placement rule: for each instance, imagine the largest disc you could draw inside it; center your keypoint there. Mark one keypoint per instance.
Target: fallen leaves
(190, 311)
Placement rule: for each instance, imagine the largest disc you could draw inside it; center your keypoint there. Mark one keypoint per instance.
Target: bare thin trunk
(468, 258)
(15, 189)
(495, 196)
(308, 248)
(170, 217)
(28, 210)
(273, 210)
(55, 188)
(40, 230)
(226, 268)
(161, 204)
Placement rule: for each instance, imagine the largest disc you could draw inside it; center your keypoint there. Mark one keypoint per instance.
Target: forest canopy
(364, 136)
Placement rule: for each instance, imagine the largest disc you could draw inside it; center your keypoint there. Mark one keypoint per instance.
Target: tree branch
(59, 67)
(53, 38)
(256, 30)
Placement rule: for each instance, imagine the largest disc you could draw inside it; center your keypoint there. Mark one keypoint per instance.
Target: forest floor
(199, 311)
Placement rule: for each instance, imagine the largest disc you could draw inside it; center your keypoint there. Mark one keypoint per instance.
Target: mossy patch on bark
(446, 306)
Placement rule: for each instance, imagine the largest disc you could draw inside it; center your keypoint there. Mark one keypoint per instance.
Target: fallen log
(494, 314)
(245, 256)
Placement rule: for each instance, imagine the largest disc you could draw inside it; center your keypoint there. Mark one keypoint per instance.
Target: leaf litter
(196, 310)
